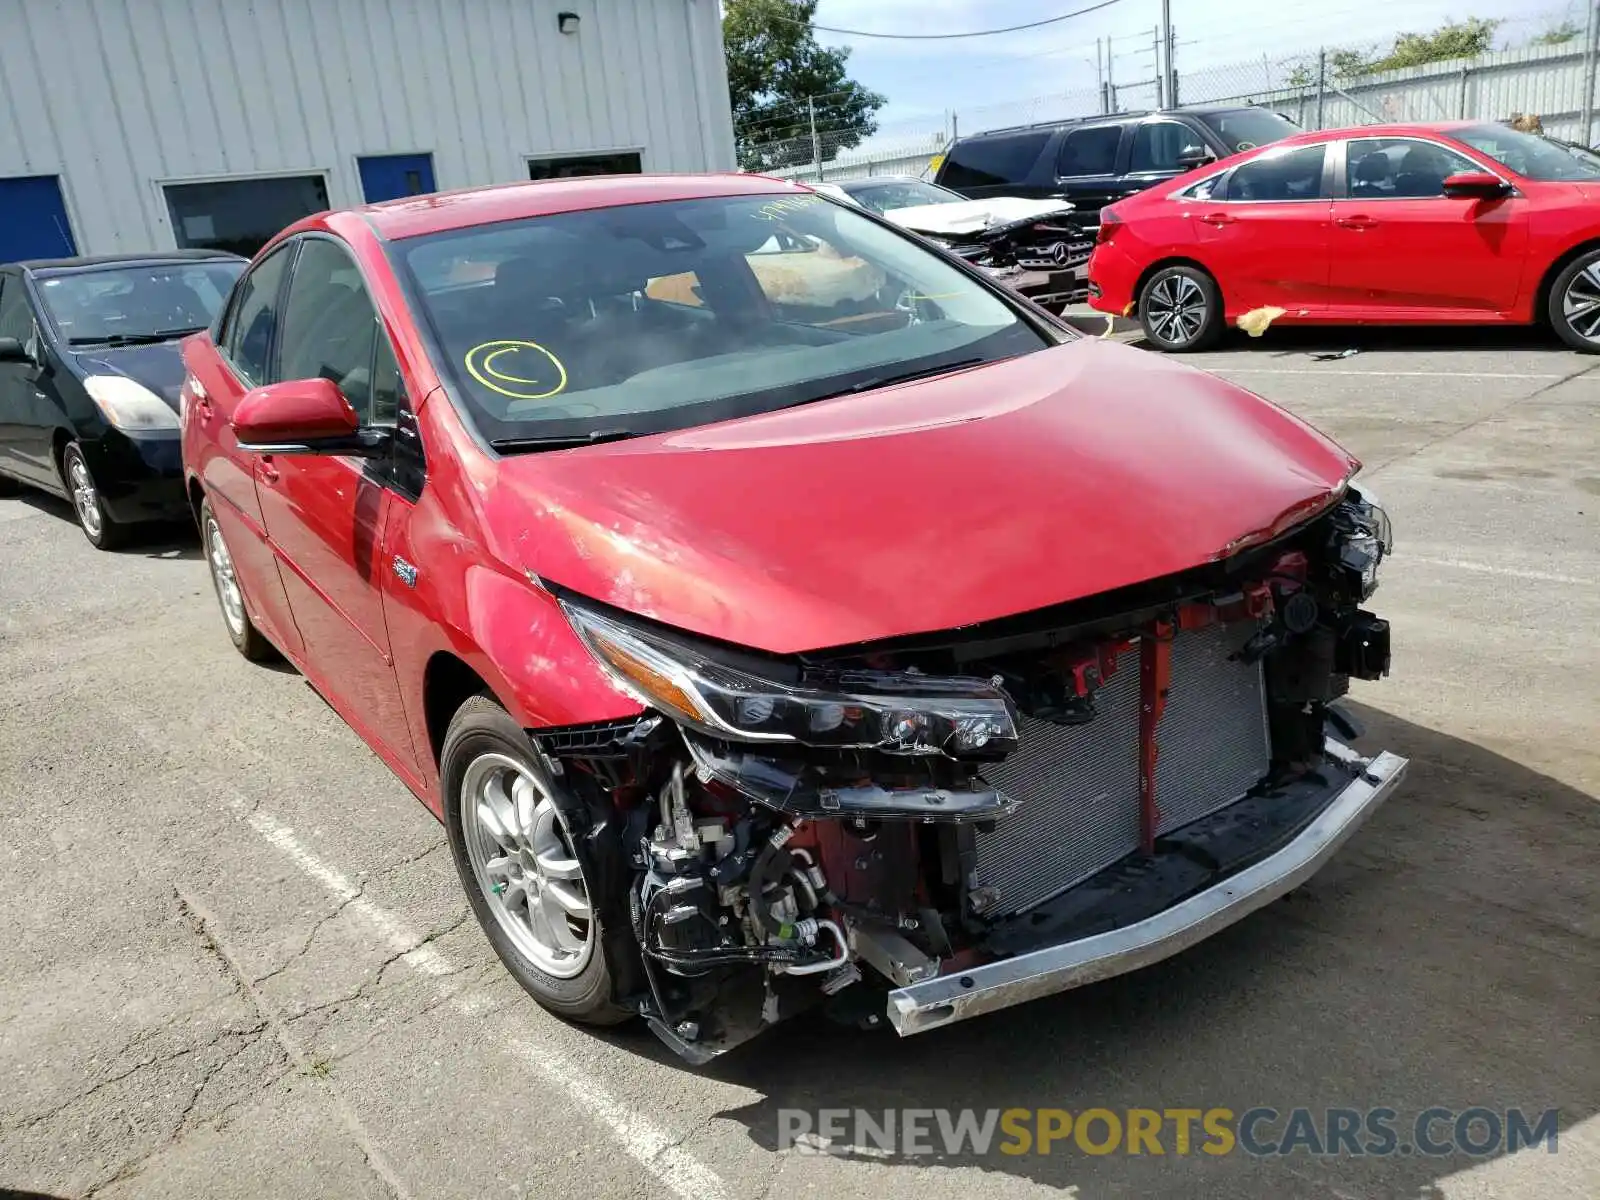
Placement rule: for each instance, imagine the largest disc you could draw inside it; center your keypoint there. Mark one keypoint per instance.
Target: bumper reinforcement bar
(997, 985)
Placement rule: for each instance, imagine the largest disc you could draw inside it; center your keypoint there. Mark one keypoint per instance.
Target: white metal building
(131, 125)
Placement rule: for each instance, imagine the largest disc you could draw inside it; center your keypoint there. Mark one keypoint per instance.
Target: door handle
(268, 472)
(1218, 219)
(1356, 222)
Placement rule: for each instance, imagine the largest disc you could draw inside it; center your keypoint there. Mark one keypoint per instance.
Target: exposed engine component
(826, 828)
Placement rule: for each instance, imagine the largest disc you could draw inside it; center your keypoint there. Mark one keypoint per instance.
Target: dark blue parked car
(89, 377)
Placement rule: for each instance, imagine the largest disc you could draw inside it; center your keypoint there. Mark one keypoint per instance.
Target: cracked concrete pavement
(238, 961)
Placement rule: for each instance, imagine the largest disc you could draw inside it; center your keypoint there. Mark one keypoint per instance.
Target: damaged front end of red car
(925, 828)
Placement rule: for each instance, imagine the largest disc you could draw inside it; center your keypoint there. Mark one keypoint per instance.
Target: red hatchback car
(1385, 224)
(775, 610)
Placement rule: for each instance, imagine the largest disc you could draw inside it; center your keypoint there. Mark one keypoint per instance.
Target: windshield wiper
(560, 441)
(134, 339)
(878, 381)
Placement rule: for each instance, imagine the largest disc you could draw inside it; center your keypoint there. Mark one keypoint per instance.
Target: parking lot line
(644, 1141)
(1461, 564)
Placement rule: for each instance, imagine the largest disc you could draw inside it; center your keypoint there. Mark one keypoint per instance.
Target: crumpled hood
(158, 367)
(921, 507)
(971, 217)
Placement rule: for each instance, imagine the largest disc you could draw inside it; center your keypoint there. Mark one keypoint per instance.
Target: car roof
(1193, 110)
(60, 266)
(873, 180)
(414, 216)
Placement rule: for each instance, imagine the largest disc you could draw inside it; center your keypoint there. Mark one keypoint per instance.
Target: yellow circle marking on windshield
(480, 365)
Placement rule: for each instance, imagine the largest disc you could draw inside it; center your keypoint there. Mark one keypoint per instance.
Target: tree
(775, 67)
(1453, 39)
(1557, 35)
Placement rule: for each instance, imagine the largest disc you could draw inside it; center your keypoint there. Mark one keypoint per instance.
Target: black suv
(1094, 161)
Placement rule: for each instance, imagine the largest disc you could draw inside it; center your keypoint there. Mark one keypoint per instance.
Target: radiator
(1079, 785)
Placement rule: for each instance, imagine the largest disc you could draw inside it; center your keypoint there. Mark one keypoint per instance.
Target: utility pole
(1589, 50)
(1168, 89)
(1111, 83)
(1172, 70)
(1322, 82)
(1161, 75)
(1100, 76)
(816, 142)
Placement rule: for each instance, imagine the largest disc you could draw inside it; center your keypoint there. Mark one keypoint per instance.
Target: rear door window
(999, 159)
(1295, 175)
(1091, 151)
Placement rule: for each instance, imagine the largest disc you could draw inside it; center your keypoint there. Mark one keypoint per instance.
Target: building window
(622, 162)
(239, 215)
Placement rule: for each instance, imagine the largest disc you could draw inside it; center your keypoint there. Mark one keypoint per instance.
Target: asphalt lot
(237, 961)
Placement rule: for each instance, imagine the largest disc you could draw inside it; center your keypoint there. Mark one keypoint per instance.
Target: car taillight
(1108, 225)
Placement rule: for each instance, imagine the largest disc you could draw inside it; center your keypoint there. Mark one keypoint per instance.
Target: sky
(984, 78)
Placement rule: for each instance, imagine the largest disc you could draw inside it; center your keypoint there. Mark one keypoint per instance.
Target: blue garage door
(35, 221)
(390, 176)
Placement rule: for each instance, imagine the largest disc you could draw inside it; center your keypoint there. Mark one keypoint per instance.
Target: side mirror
(302, 416)
(1195, 156)
(1474, 185)
(13, 351)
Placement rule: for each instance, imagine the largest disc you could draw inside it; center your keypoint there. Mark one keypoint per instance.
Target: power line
(930, 37)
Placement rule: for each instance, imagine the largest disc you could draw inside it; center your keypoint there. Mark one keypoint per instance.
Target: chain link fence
(1326, 87)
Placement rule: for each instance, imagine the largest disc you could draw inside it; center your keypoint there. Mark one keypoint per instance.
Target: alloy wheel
(226, 581)
(1176, 309)
(522, 859)
(1581, 303)
(85, 499)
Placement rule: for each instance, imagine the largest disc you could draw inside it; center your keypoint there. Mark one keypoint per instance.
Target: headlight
(896, 712)
(1363, 539)
(128, 405)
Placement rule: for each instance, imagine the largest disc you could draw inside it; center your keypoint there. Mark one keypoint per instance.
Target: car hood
(158, 367)
(920, 507)
(969, 217)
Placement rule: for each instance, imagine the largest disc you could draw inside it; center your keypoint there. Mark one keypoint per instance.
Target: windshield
(903, 193)
(1247, 128)
(650, 317)
(1529, 155)
(147, 303)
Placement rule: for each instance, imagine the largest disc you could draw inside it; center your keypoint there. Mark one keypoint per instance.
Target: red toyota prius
(1453, 223)
(776, 611)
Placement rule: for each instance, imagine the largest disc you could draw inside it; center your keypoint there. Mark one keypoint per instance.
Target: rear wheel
(87, 505)
(1574, 304)
(1180, 308)
(247, 639)
(514, 854)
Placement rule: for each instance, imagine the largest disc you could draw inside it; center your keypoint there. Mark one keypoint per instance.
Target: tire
(247, 639)
(483, 745)
(1573, 305)
(87, 505)
(1180, 308)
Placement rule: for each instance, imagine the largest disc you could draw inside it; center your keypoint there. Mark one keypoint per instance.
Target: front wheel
(247, 639)
(514, 854)
(1574, 306)
(1180, 308)
(87, 505)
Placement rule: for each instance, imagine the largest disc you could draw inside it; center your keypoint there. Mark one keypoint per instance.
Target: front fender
(446, 595)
